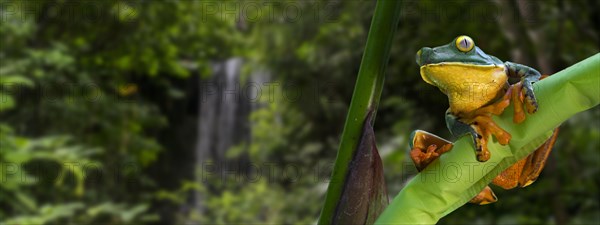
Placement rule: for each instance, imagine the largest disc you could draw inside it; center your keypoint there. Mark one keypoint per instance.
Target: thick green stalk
(365, 98)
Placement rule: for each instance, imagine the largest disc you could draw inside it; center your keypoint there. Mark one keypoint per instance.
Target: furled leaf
(365, 195)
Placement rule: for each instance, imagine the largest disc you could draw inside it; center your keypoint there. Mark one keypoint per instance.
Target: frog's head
(461, 50)
(459, 62)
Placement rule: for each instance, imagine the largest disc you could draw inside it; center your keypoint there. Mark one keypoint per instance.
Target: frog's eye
(464, 43)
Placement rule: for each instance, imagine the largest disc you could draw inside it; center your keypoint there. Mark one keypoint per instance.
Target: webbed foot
(426, 147)
(483, 126)
(424, 150)
(480, 140)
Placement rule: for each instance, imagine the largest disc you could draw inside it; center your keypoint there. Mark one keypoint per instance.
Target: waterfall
(220, 112)
(223, 117)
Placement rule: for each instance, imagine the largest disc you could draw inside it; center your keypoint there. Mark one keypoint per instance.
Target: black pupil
(465, 43)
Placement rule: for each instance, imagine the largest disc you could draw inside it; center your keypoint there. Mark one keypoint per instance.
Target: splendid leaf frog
(477, 86)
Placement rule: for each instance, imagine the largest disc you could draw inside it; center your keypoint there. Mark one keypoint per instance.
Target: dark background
(216, 112)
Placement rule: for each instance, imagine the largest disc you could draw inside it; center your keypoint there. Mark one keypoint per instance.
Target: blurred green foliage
(99, 92)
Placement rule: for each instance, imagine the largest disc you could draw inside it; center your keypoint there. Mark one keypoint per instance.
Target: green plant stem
(365, 98)
(450, 182)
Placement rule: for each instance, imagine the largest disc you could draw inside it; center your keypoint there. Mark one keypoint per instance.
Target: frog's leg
(424, 149)
(524, 89)
(459, 127)
(526, 171)
(480, 124)
(538, 160)
(509, 178)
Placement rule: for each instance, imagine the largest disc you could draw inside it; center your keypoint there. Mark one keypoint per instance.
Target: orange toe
(517, 99)
(490, 127)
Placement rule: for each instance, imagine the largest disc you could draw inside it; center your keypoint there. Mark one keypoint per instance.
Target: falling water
(223, 118)
(220, 111)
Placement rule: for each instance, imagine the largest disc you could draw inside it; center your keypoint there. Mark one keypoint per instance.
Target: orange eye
(464, 43)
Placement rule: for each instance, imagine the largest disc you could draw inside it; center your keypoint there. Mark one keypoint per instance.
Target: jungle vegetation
(100, 105)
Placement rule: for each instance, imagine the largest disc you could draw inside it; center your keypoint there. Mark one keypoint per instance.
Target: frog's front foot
(488, 126)
(480, 140)
(483, 126)
(522, 94)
